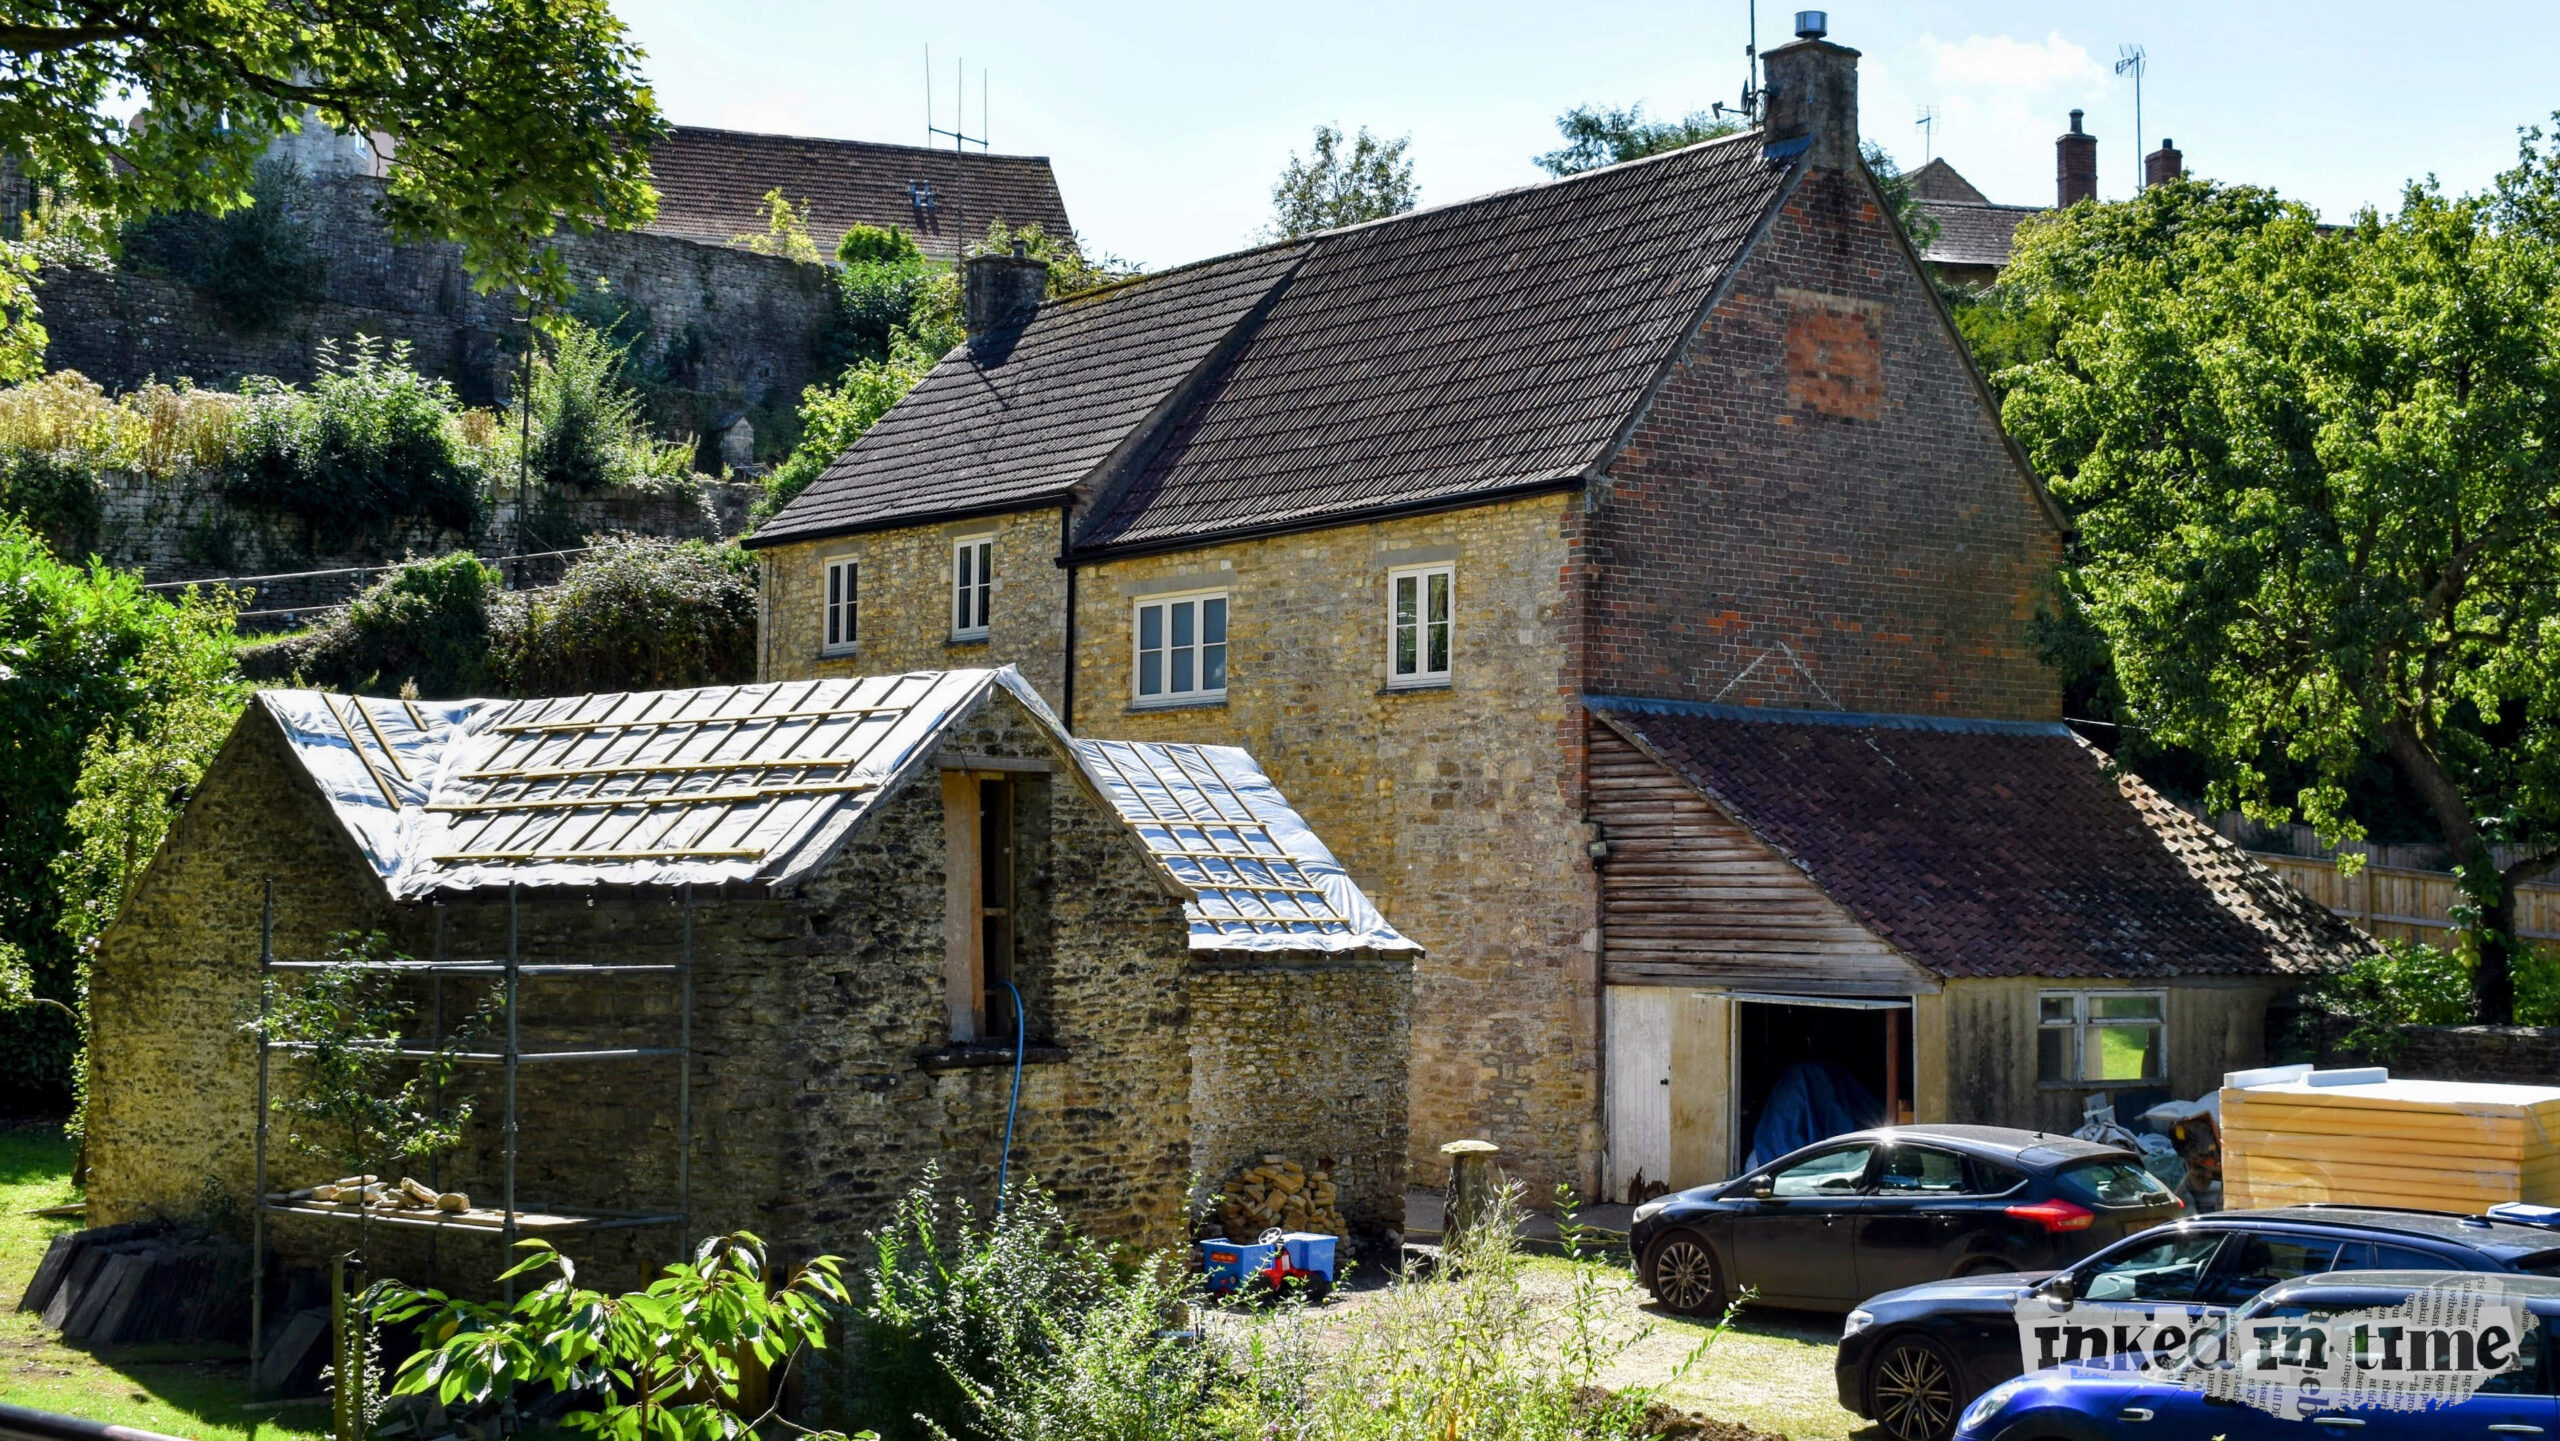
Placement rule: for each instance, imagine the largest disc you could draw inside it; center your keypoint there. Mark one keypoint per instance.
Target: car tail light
(2056, 1216)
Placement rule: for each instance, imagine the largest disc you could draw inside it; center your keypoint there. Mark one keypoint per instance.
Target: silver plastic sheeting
(722, 784)
(1261, 879)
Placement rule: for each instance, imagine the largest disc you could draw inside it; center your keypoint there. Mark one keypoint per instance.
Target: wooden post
(964, 972)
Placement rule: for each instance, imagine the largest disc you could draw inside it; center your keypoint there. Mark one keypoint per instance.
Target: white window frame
(1198, 603)
(2082, 1025)
(839, 605)
(1422, 677)
(973, 585)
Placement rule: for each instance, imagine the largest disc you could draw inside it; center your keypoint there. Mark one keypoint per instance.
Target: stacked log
(1279, 1194)
(372, 1193)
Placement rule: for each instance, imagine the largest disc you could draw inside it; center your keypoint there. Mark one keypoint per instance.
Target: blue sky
(1167, 122)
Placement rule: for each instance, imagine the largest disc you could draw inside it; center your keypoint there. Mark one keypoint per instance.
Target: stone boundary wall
(2521, 1055)
(735, 330)
(179, 527)
(1307, 1059)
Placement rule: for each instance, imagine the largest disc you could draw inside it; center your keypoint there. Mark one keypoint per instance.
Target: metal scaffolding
(515, 1219)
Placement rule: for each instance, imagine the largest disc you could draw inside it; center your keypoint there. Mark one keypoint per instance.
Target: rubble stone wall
(821, 1087)
(1305, 1059)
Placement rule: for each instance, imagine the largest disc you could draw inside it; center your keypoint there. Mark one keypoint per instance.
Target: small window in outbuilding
(2101, 1036)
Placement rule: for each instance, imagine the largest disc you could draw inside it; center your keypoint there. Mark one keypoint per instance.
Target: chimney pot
(1812, 94)
(1001, 292)
(1812, 25)
(2075, 157)
(2164, 164)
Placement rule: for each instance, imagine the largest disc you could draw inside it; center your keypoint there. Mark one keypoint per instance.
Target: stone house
(1975, 236)
(1402, 507)
(842, 887)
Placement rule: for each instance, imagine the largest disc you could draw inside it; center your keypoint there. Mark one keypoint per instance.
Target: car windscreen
(2112, 1183)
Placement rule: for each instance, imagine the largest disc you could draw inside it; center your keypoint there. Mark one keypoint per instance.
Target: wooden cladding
(1688, 896)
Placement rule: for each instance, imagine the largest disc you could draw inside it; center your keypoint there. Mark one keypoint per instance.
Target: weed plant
(371, 443)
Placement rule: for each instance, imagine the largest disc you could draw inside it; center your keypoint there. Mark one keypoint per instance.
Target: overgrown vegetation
(587, 427)
(97, 704)
(256, 264)
(785, 233)
(636, 613)
(2411, 983)
(370, 444)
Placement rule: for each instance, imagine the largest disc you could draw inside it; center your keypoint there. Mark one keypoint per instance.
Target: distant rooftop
(712, 183)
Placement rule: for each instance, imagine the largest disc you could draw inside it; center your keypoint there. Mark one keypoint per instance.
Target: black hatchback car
(1879, 1210)
(1909, 1360)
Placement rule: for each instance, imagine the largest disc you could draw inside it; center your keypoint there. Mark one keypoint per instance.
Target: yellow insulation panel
(2441, 1145)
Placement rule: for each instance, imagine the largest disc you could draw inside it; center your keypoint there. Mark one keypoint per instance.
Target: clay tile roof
(1938, 180)
(1970, 233)
(1463, 351)
(1989, 848)
(712, 183)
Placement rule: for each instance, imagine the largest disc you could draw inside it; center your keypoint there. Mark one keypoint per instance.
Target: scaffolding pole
(513, 958)
(684, 1091)
(258, 1197)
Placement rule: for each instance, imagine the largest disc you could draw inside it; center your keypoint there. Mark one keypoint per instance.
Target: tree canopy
(2314, 476)
(1337, 183)
(511, 119)
(1595, 136)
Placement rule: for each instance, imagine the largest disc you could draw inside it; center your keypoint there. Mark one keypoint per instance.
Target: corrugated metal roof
(1214, 821)
(758, 783)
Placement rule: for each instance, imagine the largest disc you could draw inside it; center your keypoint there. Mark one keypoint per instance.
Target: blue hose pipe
(1004, 1161)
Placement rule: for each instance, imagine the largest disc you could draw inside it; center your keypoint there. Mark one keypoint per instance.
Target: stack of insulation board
(2291, 1136)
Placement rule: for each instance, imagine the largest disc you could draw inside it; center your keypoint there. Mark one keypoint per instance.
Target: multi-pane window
(1181, 649)
(973, 583)
(840, 604)
(2101, 1036)
(1418, 638)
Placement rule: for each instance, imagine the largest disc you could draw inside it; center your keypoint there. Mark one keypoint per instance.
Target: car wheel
(1682, 1275)
(1912, 1389)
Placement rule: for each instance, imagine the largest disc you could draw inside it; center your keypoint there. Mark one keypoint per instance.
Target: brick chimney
(1001, 292)
(1812, 92)
(2075, 166)
(2163, 165)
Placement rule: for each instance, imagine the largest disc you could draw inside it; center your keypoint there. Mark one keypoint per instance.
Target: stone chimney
(2075, 166)
(2163, 165)
(1812, 91)
(1001, 292)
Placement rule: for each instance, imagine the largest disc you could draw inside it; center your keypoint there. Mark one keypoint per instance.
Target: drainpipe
(1067, 662)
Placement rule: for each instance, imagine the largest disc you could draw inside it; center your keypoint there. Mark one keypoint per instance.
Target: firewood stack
(1279, 1193)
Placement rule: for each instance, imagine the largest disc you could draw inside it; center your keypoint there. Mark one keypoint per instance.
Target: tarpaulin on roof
(1217, 824)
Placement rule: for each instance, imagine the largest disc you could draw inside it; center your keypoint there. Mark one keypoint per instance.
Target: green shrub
(587, 431)
(371, 443)
(636, 613)
(877, 245)
(56, 493)
(256, 264)
(832, 418)
(425, 626)
(88, 650)
(2407, 983)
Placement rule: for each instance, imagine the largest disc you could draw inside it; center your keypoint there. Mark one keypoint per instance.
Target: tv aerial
(2132, 60)
(1748, 112)
(1928, 123)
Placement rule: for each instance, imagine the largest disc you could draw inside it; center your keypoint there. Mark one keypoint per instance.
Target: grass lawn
(180, 1390)
(1771, 1371)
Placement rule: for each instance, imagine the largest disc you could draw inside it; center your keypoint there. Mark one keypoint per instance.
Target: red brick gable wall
(1817, 508)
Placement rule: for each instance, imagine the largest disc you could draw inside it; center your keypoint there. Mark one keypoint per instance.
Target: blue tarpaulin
(1812, 1101)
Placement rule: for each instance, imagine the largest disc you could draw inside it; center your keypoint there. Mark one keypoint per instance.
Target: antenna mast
(2132, 61)
(960, 140)
(1749, 110)
(1928, 123)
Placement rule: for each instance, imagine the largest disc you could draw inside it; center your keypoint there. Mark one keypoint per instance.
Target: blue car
(2083, 1403)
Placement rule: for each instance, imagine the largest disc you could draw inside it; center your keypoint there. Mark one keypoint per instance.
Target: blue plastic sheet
(1812, 1101)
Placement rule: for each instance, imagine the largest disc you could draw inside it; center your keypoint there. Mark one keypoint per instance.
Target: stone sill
(1217, 702)
(1417, 687)
(962, 1058)
(959, 642)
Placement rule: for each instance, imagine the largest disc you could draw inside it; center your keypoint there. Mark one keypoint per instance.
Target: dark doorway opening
(1853, 1058)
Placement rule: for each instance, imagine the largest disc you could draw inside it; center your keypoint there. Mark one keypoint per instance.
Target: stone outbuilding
(826, 897)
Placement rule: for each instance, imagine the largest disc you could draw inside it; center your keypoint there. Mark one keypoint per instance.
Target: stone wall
(727, 328)
(1818, 509)
(178, 526)
(1307, 1058)
(822, 1084)
(904, 603)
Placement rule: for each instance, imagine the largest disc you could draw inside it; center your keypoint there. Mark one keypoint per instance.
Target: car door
(1908, 1228)
(1792, 1238)
(2255, 1260)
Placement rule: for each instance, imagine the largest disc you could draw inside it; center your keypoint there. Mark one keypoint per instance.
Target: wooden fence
(2401, 904)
